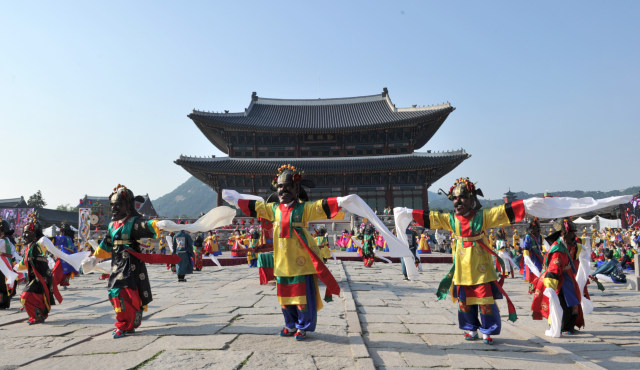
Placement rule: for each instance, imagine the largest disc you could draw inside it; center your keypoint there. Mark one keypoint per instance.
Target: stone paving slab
(443, 329)
(27, 349)
(426, 357)
(98, 362)
(317, 344)
(378, 328)
(193, 342)
(460, 359)
(104, 344)
(181, 359)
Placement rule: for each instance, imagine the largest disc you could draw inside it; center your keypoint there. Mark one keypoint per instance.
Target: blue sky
(93, 94)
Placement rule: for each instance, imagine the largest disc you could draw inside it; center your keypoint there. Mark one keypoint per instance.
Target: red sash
(323, 272)
(510, 306)
(159, 259)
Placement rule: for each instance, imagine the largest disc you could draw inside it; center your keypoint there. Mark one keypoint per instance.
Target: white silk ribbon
(554, 207)
(8, 272)
(532, 267)
(75, 259)
(217, 217)
(555, 313)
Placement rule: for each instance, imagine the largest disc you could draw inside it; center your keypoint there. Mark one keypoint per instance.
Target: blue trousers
(489, 322)
(303, 319)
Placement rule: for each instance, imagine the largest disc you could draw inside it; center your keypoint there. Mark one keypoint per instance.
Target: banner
(16, 217)
(84, 226)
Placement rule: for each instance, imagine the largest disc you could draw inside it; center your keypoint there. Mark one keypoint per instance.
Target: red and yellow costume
(211, 245)
(475, 282)
(297, 264)
(423, 244)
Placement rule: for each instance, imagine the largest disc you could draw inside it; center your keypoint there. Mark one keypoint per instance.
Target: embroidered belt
(469, 238)
(293, 224)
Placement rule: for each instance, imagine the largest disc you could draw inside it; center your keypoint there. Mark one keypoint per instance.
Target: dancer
(252, 255)
(8, 258)
(557, 285)
(413, 246)
(238, 244)
(505, 254)
(38, 296)
(423, 244)
(323, 244)
(343, 240)
(475, 282)
(367, 246)
(65, 242)
(532, 253)
(198, 245)
(211, 243)
(129, 288)
(297, 265)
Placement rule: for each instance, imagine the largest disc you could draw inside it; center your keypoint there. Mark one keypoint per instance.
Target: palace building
(360, 145)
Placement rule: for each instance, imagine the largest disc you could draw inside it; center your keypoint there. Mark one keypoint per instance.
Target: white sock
(485, 336)
(473, 333)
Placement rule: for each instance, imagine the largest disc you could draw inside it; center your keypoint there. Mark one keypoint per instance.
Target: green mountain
(193, 197)
(188, 200)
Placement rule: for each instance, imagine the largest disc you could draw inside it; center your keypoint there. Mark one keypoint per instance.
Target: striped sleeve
(322, 209)
(330, 207)
(505, 214)
(515, 211)
(421, 218)
(255, 208)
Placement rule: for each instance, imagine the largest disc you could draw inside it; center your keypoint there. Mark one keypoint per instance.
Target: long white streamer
(403, 217)
(94, 244)
(554, 207)
(532, 267)
(385, 259)
(509, 265)
(214, 259)
(583, 274)
(217, 217)
(8, 272)
(90, 265)
(75, 259)
(169, 242)
(555, 313)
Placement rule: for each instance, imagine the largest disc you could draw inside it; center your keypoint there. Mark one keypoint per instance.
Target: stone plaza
(223, 318)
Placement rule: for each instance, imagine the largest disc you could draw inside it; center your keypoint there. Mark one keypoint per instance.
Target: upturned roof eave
(205, 123)
(450, 159)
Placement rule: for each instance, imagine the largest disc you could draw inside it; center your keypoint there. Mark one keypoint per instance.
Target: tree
(66, 207)
(36, 200)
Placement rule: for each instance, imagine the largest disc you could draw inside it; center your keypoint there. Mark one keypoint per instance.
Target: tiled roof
(48, 217)
(146, 208)
(13, 203)
(322, 115)
(337, 165)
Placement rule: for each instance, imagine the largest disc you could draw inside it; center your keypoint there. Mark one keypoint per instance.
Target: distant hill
(193, 197)
(188, 200)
